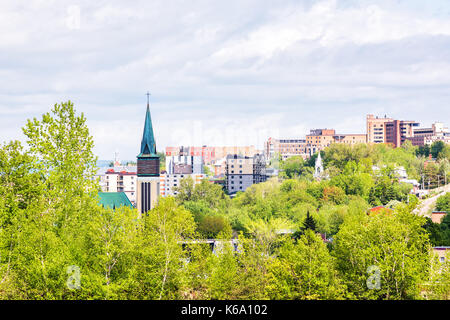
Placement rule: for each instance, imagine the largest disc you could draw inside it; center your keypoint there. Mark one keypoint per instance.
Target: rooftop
(114, 200)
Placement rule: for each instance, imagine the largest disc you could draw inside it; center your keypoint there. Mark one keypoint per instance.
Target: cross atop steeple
(148, 98)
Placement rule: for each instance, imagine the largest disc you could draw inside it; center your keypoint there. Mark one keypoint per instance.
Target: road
(424, 208)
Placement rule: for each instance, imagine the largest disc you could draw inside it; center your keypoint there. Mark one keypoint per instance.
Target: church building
(147, 169)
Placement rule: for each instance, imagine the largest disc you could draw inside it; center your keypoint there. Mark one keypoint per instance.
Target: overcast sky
(223, 72)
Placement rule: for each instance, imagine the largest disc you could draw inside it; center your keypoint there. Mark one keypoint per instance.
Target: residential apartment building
(119, 179)
(184, 164)
(242, 172)
(319, 139)
(220, 167)
(179, 167)
(286, 148)
(210, 154)
(246, 151)
(169, 182)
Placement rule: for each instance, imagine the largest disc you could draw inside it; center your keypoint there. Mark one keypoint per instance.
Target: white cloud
(223, 72)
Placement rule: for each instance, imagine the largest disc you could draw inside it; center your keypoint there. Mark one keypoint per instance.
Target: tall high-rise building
(147, 169)
(376, 128)
(388, 130)
(397, 131)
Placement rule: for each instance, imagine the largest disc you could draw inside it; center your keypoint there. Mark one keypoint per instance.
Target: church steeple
(147, 192)
(148, 144)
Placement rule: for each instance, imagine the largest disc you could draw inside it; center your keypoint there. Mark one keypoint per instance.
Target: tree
(207, 171)
(157, 272)
(162, 161)
(185, 191)
(293, 166)
(390, 258)
(303, 270)
(443, 203)
(423, 151)
(354, 180)
(63, 146)
(223, 274)
(434, 232)
(334, 194)
(211, 193)
(339, 154)
(439, 282)
(56, 177)
(309, 223)
(211, 226)
(436, 148)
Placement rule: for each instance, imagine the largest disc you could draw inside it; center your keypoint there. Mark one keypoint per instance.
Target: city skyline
(214, 69)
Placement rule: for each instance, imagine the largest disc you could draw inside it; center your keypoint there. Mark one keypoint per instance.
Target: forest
(292, 237)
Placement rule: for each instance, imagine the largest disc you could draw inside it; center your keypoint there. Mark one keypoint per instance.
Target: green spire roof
(148, 145)
(114, 200)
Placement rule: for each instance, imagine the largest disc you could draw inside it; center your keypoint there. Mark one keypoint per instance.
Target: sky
(223, 72)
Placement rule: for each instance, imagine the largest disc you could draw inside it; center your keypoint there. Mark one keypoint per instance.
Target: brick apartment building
(319, 139)
(388, 130)
(285, 147)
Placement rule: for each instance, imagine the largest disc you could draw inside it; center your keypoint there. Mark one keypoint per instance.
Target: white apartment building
(119, 179)
(169, 182)
(183, 164)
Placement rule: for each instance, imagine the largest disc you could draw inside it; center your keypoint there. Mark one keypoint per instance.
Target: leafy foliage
(51, 223)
